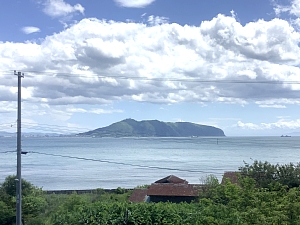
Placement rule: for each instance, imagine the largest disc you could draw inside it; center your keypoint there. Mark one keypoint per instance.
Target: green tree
(33, 200)
(9, 186)
(288, 174)
(266, 174)
(209, 183)
(7, 214)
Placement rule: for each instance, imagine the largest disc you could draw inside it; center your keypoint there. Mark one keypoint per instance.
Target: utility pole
(19, 152)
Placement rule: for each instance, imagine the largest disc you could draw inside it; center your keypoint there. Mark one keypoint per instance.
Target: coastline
(86, 191)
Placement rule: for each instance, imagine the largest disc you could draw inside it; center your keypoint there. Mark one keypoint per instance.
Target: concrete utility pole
(19, 152)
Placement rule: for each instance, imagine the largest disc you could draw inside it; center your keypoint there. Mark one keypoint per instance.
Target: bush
(9, 186)
(266, 174)
(7, 214)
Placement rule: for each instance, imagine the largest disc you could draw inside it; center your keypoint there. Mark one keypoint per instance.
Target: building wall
(174, 199)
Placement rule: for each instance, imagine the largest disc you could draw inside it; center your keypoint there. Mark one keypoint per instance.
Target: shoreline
(87, 191)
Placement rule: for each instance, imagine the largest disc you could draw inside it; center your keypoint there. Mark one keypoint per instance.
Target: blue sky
(232, 64)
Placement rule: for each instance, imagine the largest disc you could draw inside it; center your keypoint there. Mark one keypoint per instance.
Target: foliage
(145, 186)
(33, 202)
(228, 204)
(7, 214)
(266, 174)
(9, 186)
(209, 183)
(120, 190)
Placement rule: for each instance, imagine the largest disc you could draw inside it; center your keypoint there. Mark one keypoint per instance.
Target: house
(231, 176)
(174, 189)
(171, 179)
(138, 195)
(170, 192)
(168, 189)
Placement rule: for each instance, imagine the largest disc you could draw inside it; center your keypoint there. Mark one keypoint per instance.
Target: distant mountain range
(29, 134)
(294, 134)
(154, 128)
(3, 133)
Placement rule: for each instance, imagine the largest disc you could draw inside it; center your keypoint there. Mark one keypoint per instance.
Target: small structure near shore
(232, 176)
(175, 189)
(138, 195)
(168, 189)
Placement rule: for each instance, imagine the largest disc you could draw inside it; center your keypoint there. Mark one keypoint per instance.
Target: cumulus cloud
(94, 111)
(292, 9)
(280, 124)
(157, 20)
(134, 3)
(29, 30)
(98, 62)
(59, 8)
(273, 106)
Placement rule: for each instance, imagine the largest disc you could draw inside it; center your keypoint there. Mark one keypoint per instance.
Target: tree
(266, 174)
(33, 203)
(9, 186)
(209, 183)
(7, 214)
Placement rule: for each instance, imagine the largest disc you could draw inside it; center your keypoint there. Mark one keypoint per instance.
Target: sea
(77, 163)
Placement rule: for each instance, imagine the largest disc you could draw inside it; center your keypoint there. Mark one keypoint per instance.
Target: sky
(231, 64)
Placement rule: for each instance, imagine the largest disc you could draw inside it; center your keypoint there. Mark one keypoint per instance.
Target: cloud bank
(98, 62)
(280, 124)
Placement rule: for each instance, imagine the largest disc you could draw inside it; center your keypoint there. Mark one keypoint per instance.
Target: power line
(8, 152)
(117, 163)
(45, 127)
(52, 127)
(172, 79)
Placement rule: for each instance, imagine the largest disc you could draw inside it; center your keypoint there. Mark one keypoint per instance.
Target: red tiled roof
(165, 189)
(232, 176)
(138, 195)
(172, 179)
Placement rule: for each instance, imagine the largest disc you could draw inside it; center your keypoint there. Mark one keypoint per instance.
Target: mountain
(154, 128)
(7, 134)
(294, 134)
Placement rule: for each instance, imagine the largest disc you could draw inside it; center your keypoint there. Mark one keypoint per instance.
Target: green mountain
(154, 128)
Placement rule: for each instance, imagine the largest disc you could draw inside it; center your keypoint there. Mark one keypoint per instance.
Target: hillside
(154, 128)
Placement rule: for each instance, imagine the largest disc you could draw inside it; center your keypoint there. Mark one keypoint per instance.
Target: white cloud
(273, 106)
(93, 111)
(157, 20)
(29, 30)
(98, 62)
(59, 8)
(7, 107)
(280, 124)
(282, 101)
(292, 9)
(134, 3)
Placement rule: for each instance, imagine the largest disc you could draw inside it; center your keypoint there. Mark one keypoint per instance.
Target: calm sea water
(128, 162)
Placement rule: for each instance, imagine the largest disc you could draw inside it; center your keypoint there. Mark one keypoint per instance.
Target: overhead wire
(172, 79)
(118, 163)
(52, 127)
(5, 152)
(45, 127)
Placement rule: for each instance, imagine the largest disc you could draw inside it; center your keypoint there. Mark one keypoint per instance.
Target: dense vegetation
(273, 200)
(154, 128)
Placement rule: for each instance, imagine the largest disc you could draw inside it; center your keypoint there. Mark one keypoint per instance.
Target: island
(154, 128)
